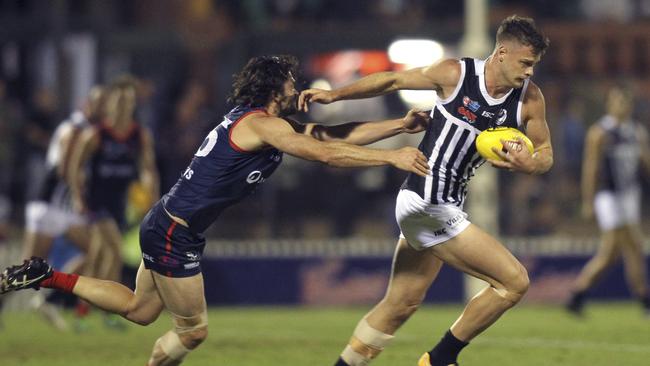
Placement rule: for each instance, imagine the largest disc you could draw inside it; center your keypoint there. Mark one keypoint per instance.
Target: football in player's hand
(492, 137)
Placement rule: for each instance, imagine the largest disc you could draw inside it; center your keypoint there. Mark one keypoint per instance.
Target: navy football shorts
(168, 247)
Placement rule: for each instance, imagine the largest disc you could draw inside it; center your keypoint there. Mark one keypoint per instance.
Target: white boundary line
(562, 344)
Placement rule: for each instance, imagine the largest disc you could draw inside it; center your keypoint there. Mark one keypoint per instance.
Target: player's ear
(502, 50)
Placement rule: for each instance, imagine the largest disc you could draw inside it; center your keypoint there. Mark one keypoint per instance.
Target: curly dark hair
(524, 31)
(262, 76)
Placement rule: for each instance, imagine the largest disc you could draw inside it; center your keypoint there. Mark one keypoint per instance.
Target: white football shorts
(43, 218)
(616, 209)
(424, 224)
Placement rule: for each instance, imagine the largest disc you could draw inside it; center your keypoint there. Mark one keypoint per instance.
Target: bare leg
(36, 244)
(110, 248)
(412, 273)
(634, 261)
(606, 256)
(184, 299)
(142, 306)
(508, 279)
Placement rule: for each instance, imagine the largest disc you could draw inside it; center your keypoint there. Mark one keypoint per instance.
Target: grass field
(611, 334)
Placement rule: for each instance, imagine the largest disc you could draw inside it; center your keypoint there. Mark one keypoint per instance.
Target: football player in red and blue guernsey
(235, 157)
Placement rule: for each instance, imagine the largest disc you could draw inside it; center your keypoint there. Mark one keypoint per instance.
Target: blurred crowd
(182, 92)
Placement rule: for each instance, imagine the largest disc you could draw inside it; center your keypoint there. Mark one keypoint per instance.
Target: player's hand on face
(411, 160)
(314, 96)
(515, 155)
(416, 121)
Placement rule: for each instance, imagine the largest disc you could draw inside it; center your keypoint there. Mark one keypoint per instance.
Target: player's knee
(192, 330)
(194, 338)
(517, 285)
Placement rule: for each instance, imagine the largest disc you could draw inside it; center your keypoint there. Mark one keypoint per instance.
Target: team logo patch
(472, 105)
(193, 256)
(254, 176)
(501, 117)
(467, 114)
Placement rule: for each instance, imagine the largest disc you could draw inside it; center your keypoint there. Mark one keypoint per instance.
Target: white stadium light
(415, 52)
(321, 84)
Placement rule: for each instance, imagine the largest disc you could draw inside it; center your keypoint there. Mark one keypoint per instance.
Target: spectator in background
(192, 120)
(41, 120)
(615, 149)
(9, 129)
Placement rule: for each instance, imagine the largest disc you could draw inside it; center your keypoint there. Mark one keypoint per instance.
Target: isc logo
(188, 173)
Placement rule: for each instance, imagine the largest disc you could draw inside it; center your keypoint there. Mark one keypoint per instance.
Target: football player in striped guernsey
(616, 149)
(473, 95)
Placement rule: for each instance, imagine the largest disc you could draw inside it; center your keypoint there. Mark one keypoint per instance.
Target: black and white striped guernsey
(456, 122)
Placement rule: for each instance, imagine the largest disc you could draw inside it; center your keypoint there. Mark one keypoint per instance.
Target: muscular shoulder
(534, 105)
(533, 94)
(445, 73)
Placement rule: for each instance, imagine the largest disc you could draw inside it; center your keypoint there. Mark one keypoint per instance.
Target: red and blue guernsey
(220, 174)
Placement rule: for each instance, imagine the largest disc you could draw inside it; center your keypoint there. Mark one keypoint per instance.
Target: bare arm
(592, 156)
(280, 134)
(534, 117)
(88, 144)
(363, 133)
(148, 172)
(642, 133)
(66, 143)
(435, 77)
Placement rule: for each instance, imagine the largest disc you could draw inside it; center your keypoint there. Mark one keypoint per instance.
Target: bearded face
(288, 101)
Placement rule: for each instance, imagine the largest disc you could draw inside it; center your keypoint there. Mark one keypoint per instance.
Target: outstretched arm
(88, 144)
(363, 133)
(434, 77)
(279, 133)
(591, 157)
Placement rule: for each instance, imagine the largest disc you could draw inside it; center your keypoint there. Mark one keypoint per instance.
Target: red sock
(82, 309)
(61, 281)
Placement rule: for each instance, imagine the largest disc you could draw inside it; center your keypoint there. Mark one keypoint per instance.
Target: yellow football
(492, 137)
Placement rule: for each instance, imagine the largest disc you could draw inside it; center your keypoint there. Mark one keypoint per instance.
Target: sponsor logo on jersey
(487, 114)
(191, 265)
(467, 114)
(254, 177)
(472, 105)
(193, 256)
(501, 117)
(439, 232)
(454, 220)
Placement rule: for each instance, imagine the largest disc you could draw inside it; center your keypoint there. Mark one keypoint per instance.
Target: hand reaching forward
(314, 96)
(416, 121)
(411, 160)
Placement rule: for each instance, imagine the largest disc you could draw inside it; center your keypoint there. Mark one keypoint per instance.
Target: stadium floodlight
(321, 84)
(412, 53)
(415, 52)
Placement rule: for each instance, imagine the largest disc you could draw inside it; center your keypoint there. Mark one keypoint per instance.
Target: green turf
(612, 334)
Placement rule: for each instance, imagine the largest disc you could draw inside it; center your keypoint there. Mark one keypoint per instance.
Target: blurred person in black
(51, 214)
(616, 148)
(235, 157)
(109, 156)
